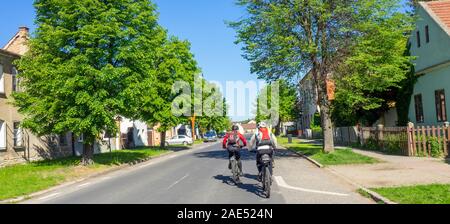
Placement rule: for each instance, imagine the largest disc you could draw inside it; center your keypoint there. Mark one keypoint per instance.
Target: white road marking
(49, 196)
(280, 181)
(177, 182)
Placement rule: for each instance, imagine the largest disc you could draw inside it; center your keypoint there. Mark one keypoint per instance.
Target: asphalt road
(201, 176)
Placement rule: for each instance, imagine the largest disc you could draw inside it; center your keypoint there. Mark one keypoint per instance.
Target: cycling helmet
(262, 125)
(235, 128)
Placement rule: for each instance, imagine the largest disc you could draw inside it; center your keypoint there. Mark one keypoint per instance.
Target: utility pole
(193, 127)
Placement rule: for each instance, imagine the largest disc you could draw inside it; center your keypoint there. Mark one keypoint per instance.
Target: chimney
(24, 31)
(19, 43)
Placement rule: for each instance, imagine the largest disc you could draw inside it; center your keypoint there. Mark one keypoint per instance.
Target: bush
(371, 144)
(392, 145)
(436, 148)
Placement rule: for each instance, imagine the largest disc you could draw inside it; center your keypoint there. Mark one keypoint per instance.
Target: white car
(180, 140)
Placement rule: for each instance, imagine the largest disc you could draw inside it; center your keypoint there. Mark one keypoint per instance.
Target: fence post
(380, 136)
(411, 140)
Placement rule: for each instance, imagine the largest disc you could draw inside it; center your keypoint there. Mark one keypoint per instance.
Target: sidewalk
(301, 182)
(396, 171)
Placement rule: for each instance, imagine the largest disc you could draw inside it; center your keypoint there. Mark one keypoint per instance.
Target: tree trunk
(88, 154)
(163, 139)
(327, 126)
(278, 128)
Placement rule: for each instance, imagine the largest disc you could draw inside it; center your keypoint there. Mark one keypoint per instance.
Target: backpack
(233, 139)
(263, 137)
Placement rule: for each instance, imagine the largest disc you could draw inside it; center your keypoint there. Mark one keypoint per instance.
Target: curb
(305, 157)
(375, 196)
(108, 171)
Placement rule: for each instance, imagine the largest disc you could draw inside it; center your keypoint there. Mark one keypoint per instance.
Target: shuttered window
(419, 108)
(18, 135)
(2, 135)
(418, 39)
(2, 80)
(441, 110)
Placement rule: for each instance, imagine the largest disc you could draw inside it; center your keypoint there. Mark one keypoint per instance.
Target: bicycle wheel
(267, 181)
(235, 170)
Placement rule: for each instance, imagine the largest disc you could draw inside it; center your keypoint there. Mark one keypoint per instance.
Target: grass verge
(24, 179)
(338, 157)
(420, 194)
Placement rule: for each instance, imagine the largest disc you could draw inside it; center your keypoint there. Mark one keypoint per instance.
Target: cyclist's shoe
(229, 165)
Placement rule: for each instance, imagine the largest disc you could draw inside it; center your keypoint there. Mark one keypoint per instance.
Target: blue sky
(202, 22)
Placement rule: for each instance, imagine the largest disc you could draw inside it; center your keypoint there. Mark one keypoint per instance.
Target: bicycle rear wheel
(267, 181)
(235, 170)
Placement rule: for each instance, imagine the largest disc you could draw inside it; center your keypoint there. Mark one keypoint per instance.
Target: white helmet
(262, 125)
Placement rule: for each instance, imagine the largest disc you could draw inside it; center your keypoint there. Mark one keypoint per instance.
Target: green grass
(24, 179)
(198, 142)
(421, 194)
(338, 157)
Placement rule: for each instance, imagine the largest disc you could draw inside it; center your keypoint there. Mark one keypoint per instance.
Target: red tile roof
(249, 126)
(442, 10)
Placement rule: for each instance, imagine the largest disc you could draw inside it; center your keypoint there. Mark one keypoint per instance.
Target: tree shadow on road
(252, 188)
(223, 155)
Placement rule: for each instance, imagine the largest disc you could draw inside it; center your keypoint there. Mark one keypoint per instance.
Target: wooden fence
(408, 141)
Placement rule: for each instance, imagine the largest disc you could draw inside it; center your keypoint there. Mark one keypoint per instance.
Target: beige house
(16, 144)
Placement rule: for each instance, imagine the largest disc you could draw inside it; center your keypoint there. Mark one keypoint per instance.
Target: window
(441, 110)
(427, 34)
(17, 137)
(81, 138)
(2, 135)
(107, 135)
(2, 80)
(419, 108)
(418, 38)
(62, 140)
(15, 80)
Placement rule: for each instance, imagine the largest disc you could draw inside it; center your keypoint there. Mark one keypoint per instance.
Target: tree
(174, 63)
(284, 38)
(288, 103)
(85, 55)
(370, 78)
(214, 109)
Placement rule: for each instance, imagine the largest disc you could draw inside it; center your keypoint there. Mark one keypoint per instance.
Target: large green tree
(284, 38)
(371, 76)
(174, 63)
(85, 56)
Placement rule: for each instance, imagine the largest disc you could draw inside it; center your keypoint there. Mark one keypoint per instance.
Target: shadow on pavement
(252, 188)
(223, 155)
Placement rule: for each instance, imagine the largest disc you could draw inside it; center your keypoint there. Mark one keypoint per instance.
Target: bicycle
(267, 170)
(235, 170)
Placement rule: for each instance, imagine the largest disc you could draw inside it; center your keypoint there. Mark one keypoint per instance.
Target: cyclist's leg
(238, 158)
(259, 164)
(230, 154)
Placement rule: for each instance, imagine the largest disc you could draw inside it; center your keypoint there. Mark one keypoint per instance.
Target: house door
(150, 137)
(130, 138)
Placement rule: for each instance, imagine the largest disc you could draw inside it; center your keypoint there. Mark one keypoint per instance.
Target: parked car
(180, 140)
(221, 135)
(210, 136)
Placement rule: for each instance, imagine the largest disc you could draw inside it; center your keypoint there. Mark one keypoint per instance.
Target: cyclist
(233, 142)
(263, 140)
